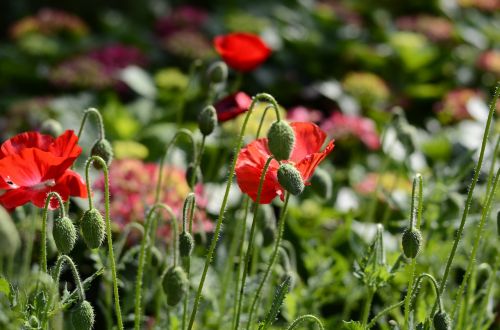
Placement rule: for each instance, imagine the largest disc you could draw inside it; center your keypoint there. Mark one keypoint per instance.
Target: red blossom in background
(242, 51)
(232, 105)
(33, 164)
(306, 156)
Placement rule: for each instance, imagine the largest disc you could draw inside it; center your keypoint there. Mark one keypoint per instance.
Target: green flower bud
(103, 149)
(281, 139)
(175, 284)
(217, 72)
(321, 183)
(190, 172)
(92, 226)
(51, 127)
(64, 233)
(207, 120)
(186, 244)
(412, 240)
(10, 241)
(83, 316)
(290, 179)
(441, 321)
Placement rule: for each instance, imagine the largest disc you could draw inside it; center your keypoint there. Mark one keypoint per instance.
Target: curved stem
(180, 132)
(57, 274)
(383, 312)
(251, 240)
(477, 239)
(140, 269)
(261, 123)
(258, 98)
(43, 252)
(435, 285)
(281, 227)
(100, 122)
(304, 318)
(197, 162)
(109, 234)
(468, 202)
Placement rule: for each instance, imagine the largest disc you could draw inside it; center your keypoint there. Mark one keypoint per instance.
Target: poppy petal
(308, 140)
(13, 198)
(25, 140)
(242, 51)
(307, 165)
(69, 184)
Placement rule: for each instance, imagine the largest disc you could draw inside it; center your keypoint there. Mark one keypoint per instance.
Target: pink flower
(303, 114)
(232, 106)
(341, 126)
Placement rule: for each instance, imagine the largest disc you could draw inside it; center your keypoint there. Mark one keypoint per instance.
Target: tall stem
(57, 274)
(187, 217)
(468, 202)
(258, 98)
(281, 227)
(251, 240)
(43, 252)
(109, 235)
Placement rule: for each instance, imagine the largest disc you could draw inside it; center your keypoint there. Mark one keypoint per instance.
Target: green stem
(142, 255)
(187, 216)
(493, 162)
(57, 274)
(368, 305)
(109, 234)
(258, 98)
(281, 227)
(197, 162)
(43, 252)
(492, 280)
(416, 289)
(303, 318)
(383, 312)
(468, 202)
(477, 239)
(251, 240)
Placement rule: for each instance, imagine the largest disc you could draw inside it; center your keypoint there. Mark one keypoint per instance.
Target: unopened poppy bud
(92, 226)
(441, 321)
(64, 233)
(83, 316)
(175, 284)
(412, 240)
(321, 183)
(290, 179)
(217, 72)
(103, 149)
(207, 120)
(186, 244)
(280, 140)
(190, 171)
(51, 127)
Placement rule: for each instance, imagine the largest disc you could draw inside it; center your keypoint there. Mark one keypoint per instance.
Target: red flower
(232, 105)
(306, 156)
(242, 51)
(33, 164)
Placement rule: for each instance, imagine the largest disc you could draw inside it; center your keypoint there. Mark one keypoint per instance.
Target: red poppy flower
(306, 156)
(33, 164)
(242, 51)
(232, 105)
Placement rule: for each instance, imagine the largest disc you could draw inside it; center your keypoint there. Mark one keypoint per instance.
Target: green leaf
(352, 325)
(279, 296)
(4, 286)
(139, 80)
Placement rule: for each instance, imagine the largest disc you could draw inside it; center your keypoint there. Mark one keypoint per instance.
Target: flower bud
(207, 120)
(175, 284)
(412, 240)
(51, 127)
(441, 321)
(103, 149)
(64, 233)
(321, 183)
(186, 244)
(281, 139)
(290, 179)
(190, 171)
(83, 316)
(92, 226)
(217, 72)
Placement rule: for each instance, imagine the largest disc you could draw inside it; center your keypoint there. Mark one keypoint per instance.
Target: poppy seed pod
(103, 149)
(281, 139)
(83, 316)
(64, 233)
(441, 321)
(186, 244)
(411, 241)
(290, 179)
(207, 120)
(175, 284)
(217, 72)
(92, 226)
(321, 183)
